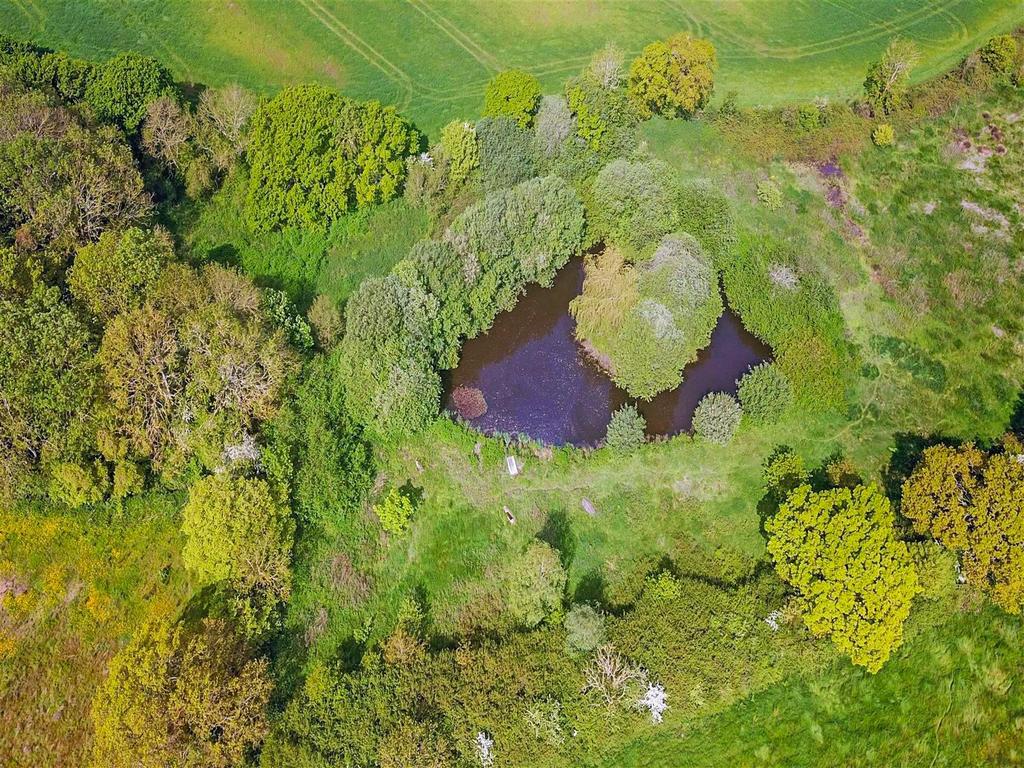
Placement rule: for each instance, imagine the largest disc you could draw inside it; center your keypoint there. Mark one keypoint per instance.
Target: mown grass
(433, 57)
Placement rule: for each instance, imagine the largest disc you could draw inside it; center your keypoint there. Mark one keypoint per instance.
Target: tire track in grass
(457, 36)
(30, 12)
(363, 49)
(161, 44)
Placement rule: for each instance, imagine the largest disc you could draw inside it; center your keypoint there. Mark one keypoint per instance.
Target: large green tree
(674, 77)
(972, 502)
(314, 155)
(123, 87)
(512, 93)
(181, 698)
(856, 580)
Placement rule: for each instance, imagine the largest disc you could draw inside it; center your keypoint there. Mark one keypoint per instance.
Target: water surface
(537, 381)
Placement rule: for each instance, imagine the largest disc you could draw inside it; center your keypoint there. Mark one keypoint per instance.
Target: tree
(326, 321)
(176, 698)
(673, 78)
(972, 503)
(626, 430)
(47, 386)
(116, 273)
(717, 417)
(839, 549)
(505, 152)
(458, 139)
(62, 182)
(765, 393)
(123, 87)
(237, 532)
(1000, 53)
(168, 131)
(889, 78)
(532, 585)
(314, 155)
(394, 512)
(512, 93)
(553, 126)
(224, 115)
(634, 203)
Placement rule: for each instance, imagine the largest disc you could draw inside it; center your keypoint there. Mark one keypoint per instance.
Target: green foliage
(532, 585)
(1000, 53)
(458, 140)
(512, 93)
(238, 533)
(705, 212)
(394, 512)
(63, 186)
(47, 385)
(673, 78)
(76, 485)
(783, 471)
(765, 393)
(116, 273)
(584, 628)
(838, 548)
(796, 312)
(605, 118)
(626, 430)
(326, 321)
(553, 126)
(314, 155)
(646, 323)
(281, 313)
(889, 78)
(883, 135)
(717, 417)
(183, 698)
(634, 203)
(190, 372)
(769, 194)
(971, 502)
(662, 587)
(122, 88)
(506, 152)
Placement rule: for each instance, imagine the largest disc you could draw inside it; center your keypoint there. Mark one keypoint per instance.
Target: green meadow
(433, 58)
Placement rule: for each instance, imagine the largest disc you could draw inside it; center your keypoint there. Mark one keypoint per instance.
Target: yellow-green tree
(512, 93)
(673, 77)
(973, 504)
(838, 548)
(176, 698)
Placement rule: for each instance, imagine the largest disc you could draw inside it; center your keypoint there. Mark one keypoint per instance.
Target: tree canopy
(674, 77)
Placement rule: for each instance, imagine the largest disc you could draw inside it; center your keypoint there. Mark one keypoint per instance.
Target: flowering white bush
(655, 701)
(485, 749)
(772, 620)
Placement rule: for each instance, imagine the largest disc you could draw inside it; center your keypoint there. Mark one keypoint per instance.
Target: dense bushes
(634, 203)
(646, 322)
(506, 152)
(717, 417)
(796, 312)
(122, 88)
(626, 430)
(765, 393)
(314, 155)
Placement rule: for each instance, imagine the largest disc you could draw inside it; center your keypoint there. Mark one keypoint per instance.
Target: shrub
(281, 313)
(532, 585)
(122, 88)
(394, 512)
(1000, 53)
(662, 587)
(765, 393)
(883, 135)
(236, 531)
(584, 628)
(626, 430)
(326, 321)
(458, 139)
(506, 152)
(634, 203)
(769, 194)
(717, 417)
(314, 154)
(514, 94)
(673, 78)
(889, 78)
(705, 212)
(838, 548)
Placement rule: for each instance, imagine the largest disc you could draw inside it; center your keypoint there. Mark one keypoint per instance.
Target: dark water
(537, 381)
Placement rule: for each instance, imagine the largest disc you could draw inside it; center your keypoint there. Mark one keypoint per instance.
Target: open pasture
(433, 57)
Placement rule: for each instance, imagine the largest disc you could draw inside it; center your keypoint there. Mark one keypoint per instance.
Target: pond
(536, 380)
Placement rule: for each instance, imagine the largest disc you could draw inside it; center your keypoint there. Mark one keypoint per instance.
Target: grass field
(433, 57)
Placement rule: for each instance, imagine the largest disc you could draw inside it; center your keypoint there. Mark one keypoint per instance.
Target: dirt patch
(996, 224)
(347, 581)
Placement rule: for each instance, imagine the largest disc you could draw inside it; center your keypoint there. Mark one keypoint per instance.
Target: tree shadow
(558, 533)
